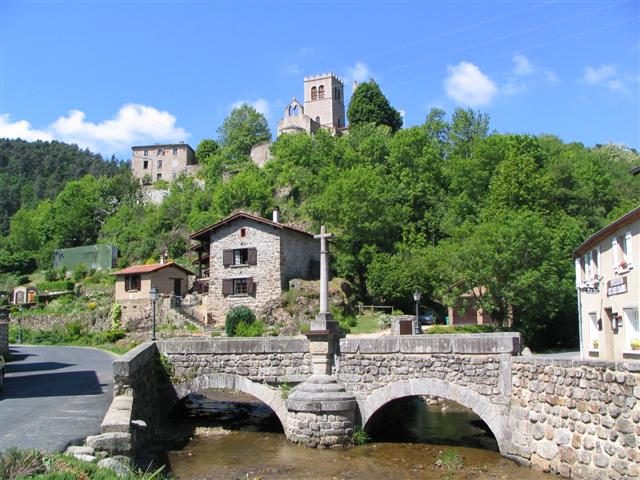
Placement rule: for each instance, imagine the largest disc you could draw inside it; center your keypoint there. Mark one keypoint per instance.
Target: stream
(234, 436)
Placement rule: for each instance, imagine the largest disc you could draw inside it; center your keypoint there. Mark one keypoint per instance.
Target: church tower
(324, 101)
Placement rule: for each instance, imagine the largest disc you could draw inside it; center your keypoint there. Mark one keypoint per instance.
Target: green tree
(369, 105)
(243, 128)
(205, 149)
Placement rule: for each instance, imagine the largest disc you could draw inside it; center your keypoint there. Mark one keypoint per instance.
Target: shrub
(359, 436)
(115, 314)
(80, 272)
(243, 329)
(439, 329)
(235, 316)
(56, 286)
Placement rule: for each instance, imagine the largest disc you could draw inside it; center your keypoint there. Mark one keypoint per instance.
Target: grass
(367, 323)
(21, 464)
(450, 459)
(359, 436)
(72, 334)
(440, 329)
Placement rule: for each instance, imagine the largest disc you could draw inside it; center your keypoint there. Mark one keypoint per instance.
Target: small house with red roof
(249, 260)
(134, 283)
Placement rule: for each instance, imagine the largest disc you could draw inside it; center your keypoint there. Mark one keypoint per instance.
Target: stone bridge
(580, 419)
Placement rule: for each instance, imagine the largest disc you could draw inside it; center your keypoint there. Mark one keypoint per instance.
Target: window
(159, 176)
(632, 324)
(321, 91)
(132, 282)
(318, 119)
(175, 151)
(159, 163)
(145, 164)
(314, 93)
(239, 256)
(146, 152)
(238, 286)
(590, 265)
(243, 232)
(622, 255)
(160, 152)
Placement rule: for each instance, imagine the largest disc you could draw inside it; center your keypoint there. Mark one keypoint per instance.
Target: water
(234, 436)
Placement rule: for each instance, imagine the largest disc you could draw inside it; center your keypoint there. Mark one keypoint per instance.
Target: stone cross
(324, 322)
(324, 269)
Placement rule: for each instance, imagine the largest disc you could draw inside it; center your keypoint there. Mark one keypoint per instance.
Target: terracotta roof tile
(137, 269)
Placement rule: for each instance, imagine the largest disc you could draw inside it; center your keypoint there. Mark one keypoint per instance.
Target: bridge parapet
(272, 360)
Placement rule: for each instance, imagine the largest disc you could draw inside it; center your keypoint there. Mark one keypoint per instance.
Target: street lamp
(153, 295)
(416, 296)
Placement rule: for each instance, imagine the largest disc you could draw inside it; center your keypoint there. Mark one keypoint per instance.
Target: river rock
(113, 442)
(78, 450)
(85, 458)
(119, 468)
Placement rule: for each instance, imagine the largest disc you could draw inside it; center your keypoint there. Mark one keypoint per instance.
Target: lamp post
(153, 295)
(416, 296)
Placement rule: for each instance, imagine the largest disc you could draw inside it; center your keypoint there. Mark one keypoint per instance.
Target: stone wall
(300, 257)
(272, 360)
(579, 419)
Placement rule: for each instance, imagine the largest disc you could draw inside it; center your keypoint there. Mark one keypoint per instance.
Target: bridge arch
(270, 396)
(493, 415)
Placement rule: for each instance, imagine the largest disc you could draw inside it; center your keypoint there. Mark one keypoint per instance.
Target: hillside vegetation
(442, 207)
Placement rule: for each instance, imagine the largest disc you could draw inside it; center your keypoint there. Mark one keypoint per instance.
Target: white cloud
(292, 69)
(607, 76)
(467, 85)
(551, 76)
(358, 73)
(133, 124)
(522, 65)
(261, 105)
(514, 87)
(20, 129)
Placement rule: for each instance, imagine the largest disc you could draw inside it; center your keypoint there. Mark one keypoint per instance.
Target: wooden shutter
(250, 286)
(227, 287)
(227, 257)
(252, 256)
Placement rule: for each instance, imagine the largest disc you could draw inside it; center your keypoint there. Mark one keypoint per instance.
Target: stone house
(249, 260)
(23, 295)
(467, 309)
(608, 290)
(150, 163)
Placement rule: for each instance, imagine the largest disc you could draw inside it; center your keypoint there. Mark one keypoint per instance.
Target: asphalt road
(54, 396)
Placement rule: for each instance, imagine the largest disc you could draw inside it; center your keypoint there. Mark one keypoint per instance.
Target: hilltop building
(151, 163)
(608, 285)
(323, 108)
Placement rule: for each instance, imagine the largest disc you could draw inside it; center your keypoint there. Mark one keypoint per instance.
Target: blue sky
(111, 74)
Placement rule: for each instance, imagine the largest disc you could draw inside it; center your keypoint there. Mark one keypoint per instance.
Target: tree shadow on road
(52, 385)
(34, 367)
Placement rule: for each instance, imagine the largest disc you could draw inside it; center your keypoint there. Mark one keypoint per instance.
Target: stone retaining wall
(580, 419)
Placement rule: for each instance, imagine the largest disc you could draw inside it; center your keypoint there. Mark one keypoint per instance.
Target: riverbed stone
(120, 468)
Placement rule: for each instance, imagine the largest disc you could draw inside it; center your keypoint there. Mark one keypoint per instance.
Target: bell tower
(324, 100)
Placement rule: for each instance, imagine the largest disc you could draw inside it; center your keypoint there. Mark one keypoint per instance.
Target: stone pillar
(321, 414)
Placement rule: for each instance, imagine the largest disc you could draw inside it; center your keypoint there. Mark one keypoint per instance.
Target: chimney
(276, 215)
(163, 257)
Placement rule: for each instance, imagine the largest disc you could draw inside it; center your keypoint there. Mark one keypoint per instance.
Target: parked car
(427, 318)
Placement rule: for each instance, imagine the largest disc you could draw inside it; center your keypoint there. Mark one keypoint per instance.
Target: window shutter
(627, 241)
(227, 287)
(227, 257)
(614, 249)
(250, 286)
(252, 256)
(598, 261)
(578, 264)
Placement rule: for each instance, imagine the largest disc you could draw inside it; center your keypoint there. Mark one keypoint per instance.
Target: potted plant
(635, 344)
(596, 344)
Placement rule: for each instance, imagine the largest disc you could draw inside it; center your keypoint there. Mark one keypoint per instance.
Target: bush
(235, 316)
(440, 329)
(255, 329)
(80, 272)
(56, 286)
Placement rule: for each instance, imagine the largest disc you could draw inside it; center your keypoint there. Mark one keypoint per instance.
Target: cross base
(324, 322)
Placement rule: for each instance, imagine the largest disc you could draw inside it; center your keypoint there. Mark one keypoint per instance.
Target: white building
(608, 285)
